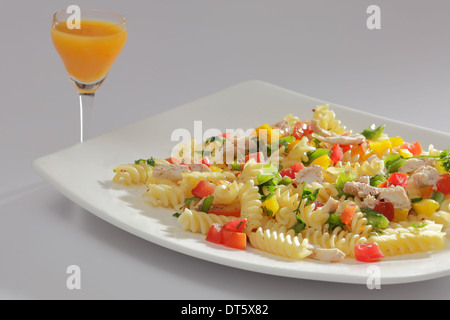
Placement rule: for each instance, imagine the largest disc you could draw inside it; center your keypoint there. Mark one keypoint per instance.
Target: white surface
(178, 51)
(83, 173)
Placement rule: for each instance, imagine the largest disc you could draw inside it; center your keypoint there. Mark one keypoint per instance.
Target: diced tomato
(225, 210)
(292, 170)
(203, 188)
(336, 153)
(173, 160)
(258, 156)
(302, 129)
(414, 147)
(235, 240)
(235, 225)
(398, 179)
(347, 214)
(443, 184)
(386, 209)
(205, 161)
(215, 233)
(368, 252)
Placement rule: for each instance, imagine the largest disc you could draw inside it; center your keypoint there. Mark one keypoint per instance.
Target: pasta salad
(305, 189)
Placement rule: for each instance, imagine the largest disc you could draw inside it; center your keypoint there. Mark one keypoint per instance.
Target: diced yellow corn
(215, 168)
(400, 214)
(323, 161)
(271, 206)
(426, 207)
(396, 141)
(380, 147)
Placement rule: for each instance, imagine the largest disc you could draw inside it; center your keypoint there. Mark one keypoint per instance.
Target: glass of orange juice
(88, 50)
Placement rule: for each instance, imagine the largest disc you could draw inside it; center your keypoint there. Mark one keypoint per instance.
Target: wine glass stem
(86, 107)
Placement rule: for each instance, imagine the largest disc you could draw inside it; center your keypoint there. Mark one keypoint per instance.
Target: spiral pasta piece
(326, 119)
(313, 217)
(226, 192)
(401, 241)
(251, 206)
(132, 173)
(299, 153)
(200, 222)
(279, 244)
(162, 195)
(337, 238)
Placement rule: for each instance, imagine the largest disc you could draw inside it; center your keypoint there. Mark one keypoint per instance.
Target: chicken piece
(327, 255)
(396, 195)
(411, 165)
(364, 179)
(369, 202)
(342, 140)
(310, 174)
(282, 126)
(199, 167)
(360, 189)
(173, 172)
(425, 176)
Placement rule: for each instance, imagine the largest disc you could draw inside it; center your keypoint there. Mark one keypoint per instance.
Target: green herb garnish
(418, 226)
(444, 157)
(299, 226)
(150, 162)
(207, 203)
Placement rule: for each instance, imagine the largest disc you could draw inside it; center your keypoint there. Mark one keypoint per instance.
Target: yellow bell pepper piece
(396, 141)
(292, 145)
(439, 168)
(215, 168)
(271, 206)
(400, 214)
(267, 133)
(380, 147)
(426, 207)
(323, 161)
(405, 153)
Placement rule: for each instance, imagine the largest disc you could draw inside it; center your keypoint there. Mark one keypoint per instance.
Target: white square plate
(83, 174)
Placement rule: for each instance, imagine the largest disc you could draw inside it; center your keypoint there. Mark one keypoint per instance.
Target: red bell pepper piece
(336, 153)
(398, 179)
(386, 209)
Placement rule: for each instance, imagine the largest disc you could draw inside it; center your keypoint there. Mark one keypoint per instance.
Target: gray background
(178, 51)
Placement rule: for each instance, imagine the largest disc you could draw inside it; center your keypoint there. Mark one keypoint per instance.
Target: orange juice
(88, 53)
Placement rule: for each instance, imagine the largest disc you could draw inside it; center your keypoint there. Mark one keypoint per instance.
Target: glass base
(87, 87)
